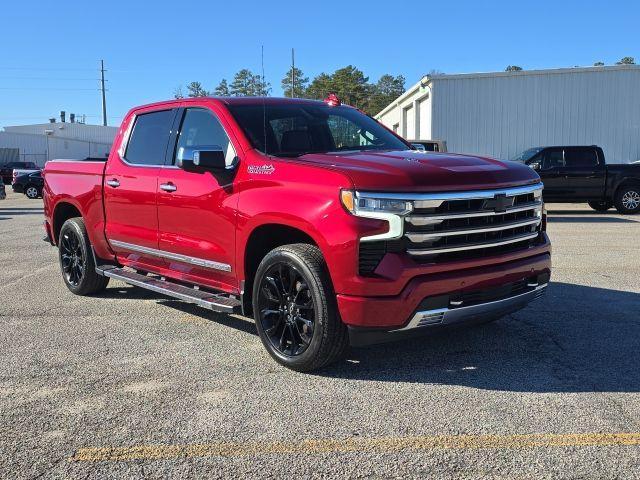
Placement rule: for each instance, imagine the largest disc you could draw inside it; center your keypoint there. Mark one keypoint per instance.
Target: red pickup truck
(310, 216)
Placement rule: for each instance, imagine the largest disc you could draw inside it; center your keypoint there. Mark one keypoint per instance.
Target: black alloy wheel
(295, 308)
(286, 309)
(77, 261)
(72, 259)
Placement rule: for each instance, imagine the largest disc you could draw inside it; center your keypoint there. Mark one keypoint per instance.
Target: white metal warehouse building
(42, 142)
(501, 114)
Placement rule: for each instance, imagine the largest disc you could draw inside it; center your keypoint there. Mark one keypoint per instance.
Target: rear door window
(149, 137)
(580, 157)
(553, 158)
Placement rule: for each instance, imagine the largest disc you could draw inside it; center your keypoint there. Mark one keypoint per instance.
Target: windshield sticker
(261, 169)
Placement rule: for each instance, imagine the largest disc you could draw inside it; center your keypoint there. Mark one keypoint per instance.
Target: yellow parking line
(384, 444)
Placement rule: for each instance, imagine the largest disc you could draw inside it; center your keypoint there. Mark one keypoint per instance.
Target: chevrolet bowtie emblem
(499, 203)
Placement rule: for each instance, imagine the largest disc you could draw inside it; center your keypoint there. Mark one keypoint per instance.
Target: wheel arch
(262, 239)
(624, 182)
(62, 212)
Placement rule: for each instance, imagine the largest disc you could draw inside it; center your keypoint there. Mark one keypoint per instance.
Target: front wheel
(76, 260)
(628, 199)
(295, 309)
(600, 206)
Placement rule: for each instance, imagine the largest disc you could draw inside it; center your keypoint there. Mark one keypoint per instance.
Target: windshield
(526, 155)
(296, 129)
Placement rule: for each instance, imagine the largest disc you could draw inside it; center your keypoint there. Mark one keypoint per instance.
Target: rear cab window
(149, 138)
(580, 157)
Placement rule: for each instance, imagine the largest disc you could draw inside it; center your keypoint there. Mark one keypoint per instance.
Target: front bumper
(426, 321)
(449, 298)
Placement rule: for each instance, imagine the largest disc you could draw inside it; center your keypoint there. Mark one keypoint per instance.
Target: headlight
(372, 206)
(358, 204)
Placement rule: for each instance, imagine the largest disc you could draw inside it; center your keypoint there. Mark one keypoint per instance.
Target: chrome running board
(212, 301)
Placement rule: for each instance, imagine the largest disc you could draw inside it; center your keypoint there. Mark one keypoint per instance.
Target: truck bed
(79, 184)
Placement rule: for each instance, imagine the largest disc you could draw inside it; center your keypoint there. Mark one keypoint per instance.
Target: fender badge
(261, 169)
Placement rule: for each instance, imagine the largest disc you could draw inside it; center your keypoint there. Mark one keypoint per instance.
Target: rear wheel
(32, 192)
(600, 206)
(76, 260)
(295, 309)
(628, 199)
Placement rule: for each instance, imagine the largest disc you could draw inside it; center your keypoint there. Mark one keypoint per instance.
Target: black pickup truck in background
(579, 174)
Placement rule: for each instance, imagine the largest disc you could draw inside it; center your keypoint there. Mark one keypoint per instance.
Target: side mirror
(419, 147)
(204, 157)
(535, 166)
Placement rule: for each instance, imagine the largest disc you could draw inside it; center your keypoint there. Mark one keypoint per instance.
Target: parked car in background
(310, 216)
(3, 192)
(17, 172)
(429, 145)
(7, 170)
(575, 174)
(30, 184)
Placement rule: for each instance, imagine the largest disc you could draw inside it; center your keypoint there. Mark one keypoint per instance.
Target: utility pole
(104, 97)
(293, 75)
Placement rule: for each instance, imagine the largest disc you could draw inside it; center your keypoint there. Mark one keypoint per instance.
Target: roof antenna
(264, 102)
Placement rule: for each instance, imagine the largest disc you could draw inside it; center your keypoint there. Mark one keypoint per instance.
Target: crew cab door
(549, 164)
(131, 189)
(585, 173)
(197, 209)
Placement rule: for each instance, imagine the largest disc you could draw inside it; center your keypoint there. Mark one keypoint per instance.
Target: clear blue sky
(51, 50)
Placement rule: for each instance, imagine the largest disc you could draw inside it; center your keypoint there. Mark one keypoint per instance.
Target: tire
(627, 199)
(293, 299)
(32, 192)
(600, 206)
(76, 259)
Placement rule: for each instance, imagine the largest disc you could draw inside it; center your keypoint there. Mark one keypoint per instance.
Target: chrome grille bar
(420, 220)
(421, 237)
(472, 246)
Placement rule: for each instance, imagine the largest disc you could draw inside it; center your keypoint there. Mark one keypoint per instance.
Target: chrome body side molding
(201, 262)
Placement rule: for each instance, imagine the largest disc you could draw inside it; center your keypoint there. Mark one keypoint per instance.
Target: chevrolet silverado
(310, 216)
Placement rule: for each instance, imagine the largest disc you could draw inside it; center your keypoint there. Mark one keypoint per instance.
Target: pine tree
(385, 91)
(195, 89)
(626, 61)
(247, 84)
(222, 90)
(351, 86)
(320, 87)
(301, 83)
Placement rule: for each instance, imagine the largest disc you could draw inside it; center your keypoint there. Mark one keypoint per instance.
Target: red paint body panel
(212, 219)
(394, 312)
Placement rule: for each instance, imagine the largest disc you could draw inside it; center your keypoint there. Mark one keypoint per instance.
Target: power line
(51, 88)
(12, 77)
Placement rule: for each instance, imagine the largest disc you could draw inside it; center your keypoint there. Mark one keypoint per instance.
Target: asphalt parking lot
(132, 384)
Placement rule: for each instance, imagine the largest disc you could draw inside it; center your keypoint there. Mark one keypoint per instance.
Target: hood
(423, 172)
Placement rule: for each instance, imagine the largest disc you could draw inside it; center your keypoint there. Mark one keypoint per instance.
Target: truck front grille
(475, 225)
(458, 226)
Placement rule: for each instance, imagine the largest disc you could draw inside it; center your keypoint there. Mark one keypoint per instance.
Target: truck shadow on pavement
(574, 339)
